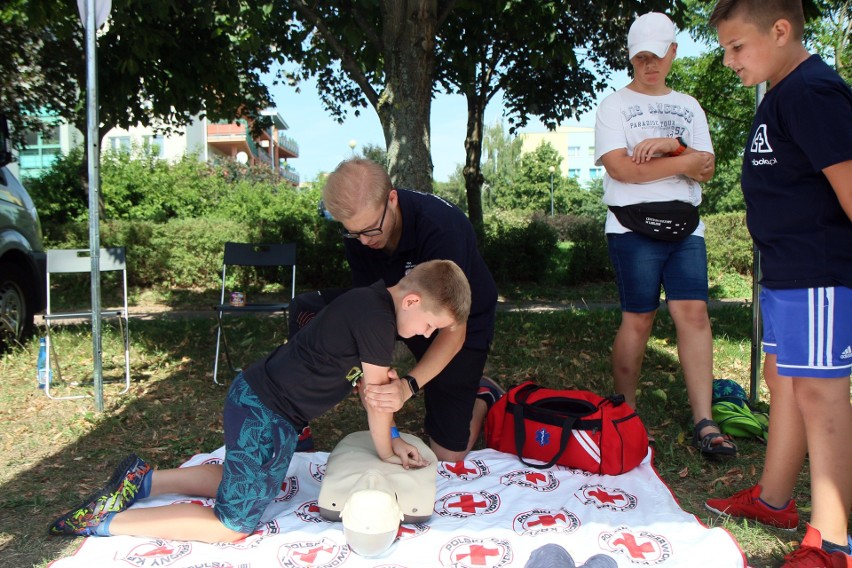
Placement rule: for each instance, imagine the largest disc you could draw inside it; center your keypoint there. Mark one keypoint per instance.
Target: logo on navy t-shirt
(760, 145)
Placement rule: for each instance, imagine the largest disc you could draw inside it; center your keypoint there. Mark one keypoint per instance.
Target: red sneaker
(745, 505)
(811, 555)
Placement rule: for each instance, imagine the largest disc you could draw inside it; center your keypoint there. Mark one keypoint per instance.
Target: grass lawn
(52, 453)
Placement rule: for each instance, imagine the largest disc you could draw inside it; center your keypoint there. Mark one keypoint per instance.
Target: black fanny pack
(663, 220)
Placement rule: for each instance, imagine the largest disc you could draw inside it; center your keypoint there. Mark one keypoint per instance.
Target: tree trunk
(472, 163)
(404, 107)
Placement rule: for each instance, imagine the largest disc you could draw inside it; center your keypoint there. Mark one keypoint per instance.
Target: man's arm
(624, 168)
(390, 396)
(840, 178)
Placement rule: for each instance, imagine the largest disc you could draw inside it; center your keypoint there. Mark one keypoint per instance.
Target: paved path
(511, 306)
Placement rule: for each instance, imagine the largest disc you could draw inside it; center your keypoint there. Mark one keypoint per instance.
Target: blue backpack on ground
(733, 413)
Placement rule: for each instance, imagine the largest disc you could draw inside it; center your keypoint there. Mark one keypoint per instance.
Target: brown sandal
(705, 443)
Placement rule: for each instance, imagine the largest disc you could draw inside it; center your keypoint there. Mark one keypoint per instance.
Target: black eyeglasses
(369, 232)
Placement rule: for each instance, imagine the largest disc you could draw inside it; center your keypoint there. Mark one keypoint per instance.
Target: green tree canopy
(160, 62)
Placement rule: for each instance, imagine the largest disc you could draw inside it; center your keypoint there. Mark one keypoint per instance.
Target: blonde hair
(442, 285)
(354, 185)
(762, 13)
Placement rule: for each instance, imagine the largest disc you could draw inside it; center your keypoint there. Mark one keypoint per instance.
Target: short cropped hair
(761, 13)
(442, 285)
(354, 185)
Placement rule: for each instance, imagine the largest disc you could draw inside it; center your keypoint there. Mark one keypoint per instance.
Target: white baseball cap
(371, 521)
(652, 32)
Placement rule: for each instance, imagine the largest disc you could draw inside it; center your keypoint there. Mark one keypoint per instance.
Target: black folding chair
(78, 261)
(250, 255)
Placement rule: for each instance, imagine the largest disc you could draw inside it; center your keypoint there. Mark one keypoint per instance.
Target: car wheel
(16, 305)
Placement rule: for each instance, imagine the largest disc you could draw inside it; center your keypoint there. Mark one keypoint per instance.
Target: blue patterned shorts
(259, 445)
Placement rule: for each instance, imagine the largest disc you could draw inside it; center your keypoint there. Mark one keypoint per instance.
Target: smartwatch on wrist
(681, 148)
(412, 384)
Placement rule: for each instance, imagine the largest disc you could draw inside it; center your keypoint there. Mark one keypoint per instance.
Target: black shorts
(449, 397)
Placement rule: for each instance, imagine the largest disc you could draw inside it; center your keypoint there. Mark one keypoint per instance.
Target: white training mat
(490, 511)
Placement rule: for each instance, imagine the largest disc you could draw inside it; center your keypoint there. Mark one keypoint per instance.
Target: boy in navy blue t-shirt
(797, 183)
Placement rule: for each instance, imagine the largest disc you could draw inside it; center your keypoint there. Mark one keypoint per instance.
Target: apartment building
(206, 139)
(576, 146)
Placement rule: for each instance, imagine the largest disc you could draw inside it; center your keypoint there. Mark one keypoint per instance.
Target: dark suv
(22, 257)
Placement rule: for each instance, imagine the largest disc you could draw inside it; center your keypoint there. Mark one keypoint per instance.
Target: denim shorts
(808, 330)
(642, 265)
(259, 445)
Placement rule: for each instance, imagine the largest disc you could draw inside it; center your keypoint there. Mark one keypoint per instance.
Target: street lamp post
(551, 169)
(352, 144)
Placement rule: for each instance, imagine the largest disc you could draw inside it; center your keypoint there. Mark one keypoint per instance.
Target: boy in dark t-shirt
(349, 344)
(797, 184)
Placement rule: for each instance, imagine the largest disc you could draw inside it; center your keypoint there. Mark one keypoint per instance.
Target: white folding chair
(70, 261)
(253, 255)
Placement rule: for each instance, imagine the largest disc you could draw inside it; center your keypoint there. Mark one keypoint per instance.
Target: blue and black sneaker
(120, 492)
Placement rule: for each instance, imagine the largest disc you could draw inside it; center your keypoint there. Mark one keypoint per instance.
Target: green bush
(729, 244)
(58, 193)
(174, 219)
(589, 260)
(517, 249)
(187, 253)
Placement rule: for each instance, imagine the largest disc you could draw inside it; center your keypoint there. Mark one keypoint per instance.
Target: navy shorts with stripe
(809, 330)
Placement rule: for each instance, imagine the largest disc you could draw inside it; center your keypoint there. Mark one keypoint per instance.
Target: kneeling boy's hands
(406, 455)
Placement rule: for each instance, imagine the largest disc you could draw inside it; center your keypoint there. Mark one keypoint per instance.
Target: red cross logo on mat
(606, 498)
(203, 502)
(466, 552)
(310, 513)
(462, 505)
(407, 532)
(157, 553)
(316, 553)
(251, 541)
(463, 470)
(289, 488)
(540, 521)
(317, 471)
(534, 479)
(269, 527)
(640, 547)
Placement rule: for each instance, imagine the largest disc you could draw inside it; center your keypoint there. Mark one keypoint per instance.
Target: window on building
(591, 150)
(595, 173)
(574, 172)
(120, 143)
(41, 151)
(573, 150)
(155, 144)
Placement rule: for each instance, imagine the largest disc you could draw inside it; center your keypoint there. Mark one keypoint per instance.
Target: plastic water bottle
(42, 362)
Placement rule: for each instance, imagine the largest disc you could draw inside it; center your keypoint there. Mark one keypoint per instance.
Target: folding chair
(80, 261)
(251, 255)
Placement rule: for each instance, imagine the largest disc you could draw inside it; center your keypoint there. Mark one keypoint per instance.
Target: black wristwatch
(412, 384)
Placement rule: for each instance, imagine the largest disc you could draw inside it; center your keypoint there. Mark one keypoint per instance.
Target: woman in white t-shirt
(655, 146)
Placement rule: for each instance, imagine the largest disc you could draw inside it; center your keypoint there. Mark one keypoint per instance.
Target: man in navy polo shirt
(387, 232)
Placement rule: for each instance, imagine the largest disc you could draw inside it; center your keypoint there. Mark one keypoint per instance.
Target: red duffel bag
(574, 428)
